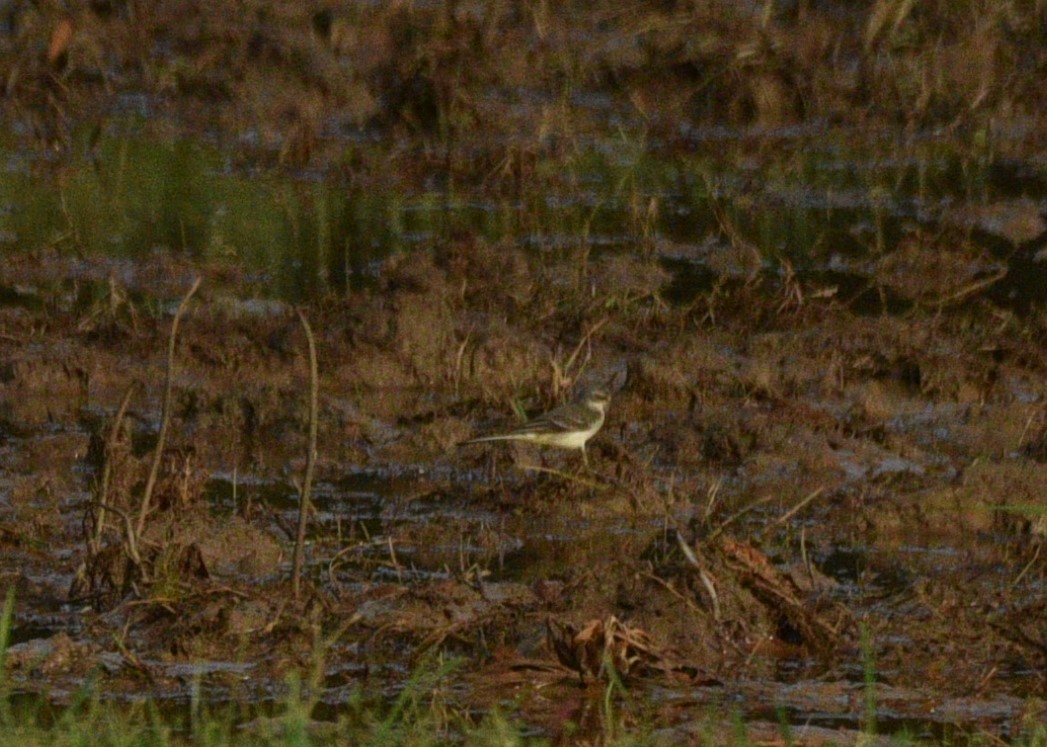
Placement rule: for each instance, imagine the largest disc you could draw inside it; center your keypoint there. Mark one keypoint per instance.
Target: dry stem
(107, 470)
(310, 462)
(165, 417)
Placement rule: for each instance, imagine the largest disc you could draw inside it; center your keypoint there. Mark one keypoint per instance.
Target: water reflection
(822, 205)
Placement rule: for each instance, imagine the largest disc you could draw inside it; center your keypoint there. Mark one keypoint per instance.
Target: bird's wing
(561, 420)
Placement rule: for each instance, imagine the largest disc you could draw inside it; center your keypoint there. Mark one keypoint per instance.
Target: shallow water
(825, 205)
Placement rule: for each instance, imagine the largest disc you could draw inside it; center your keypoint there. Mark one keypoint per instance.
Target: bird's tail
(483, 439)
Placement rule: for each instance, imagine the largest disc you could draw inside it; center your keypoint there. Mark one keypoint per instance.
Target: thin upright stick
(165, 417)
(107, 471)
(310, 461)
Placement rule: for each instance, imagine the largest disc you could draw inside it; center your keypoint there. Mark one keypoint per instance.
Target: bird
(568, 426)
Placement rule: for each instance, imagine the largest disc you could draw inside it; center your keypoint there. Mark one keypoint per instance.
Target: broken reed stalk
(310, 461)
(95, 543)
(132, 546)
(165, 416)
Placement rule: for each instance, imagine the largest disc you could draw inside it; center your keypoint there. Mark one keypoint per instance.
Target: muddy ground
(787, 497)
(817, 500)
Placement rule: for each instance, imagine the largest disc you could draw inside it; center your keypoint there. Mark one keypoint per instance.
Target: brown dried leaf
(61, 38)
(589, 651)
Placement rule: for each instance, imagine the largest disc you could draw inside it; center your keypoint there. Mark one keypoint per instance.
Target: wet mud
(790, 503)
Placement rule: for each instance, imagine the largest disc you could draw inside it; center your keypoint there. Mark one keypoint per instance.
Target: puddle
(825, 208)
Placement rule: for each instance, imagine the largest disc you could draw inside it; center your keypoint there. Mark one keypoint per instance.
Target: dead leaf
(61, 38)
